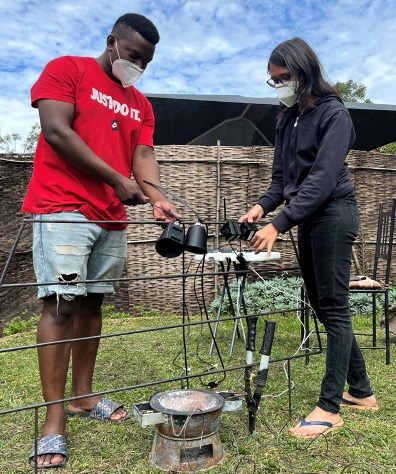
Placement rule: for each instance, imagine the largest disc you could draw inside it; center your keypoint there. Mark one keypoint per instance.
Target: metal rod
(8, 262)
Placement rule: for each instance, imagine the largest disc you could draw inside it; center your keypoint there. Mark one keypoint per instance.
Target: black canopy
(244, 121)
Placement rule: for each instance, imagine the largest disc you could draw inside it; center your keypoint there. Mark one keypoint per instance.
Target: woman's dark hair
(138, 23)
(297, 56)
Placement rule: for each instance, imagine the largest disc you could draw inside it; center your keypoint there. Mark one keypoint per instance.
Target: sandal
(51, 444)
(345, 403)
(330, 427)
(102, 411)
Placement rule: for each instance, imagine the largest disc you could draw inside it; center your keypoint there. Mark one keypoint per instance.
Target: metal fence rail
(182, 278)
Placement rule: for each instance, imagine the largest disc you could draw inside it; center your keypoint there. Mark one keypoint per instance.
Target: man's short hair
(138, 23)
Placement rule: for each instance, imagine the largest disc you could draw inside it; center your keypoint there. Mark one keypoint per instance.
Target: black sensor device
(247, 230)
(230, 230)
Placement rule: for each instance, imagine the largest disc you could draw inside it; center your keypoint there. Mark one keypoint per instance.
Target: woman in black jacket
(314, 134)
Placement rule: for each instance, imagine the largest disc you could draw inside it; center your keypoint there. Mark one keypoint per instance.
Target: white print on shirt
(112, 104)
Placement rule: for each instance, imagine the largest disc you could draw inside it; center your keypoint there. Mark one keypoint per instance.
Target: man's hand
(165, 211)
(129, 192)
(265, 238)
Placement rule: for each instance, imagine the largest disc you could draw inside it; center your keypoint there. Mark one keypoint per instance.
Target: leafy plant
(282, 293)
(150, 312)
(108, 312)
(267, 295)
(351, 91)
(389, 148)
(18, 324)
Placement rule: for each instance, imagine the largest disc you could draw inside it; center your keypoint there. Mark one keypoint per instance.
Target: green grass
(366, 443)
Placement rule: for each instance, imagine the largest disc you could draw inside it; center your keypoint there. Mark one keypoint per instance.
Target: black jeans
(325, 247)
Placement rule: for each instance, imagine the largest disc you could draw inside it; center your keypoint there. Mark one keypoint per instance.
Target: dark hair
(302, 62)
(138, 23)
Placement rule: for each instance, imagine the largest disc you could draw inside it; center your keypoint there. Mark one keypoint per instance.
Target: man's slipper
(102, 411)
(345, 403)
(51, 444)
(330, 427)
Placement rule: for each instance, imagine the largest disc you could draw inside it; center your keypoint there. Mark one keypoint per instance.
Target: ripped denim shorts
(73, 252)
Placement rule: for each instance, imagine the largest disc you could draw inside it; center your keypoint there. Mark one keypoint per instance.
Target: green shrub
(150, 312)
(18, 324)
(389, 148)
(108, 312)
(265, 295)
(281, 293)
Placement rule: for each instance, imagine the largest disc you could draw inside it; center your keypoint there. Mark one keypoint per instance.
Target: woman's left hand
(265, 238)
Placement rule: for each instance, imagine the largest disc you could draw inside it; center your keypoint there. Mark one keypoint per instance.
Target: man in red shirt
(97, 131)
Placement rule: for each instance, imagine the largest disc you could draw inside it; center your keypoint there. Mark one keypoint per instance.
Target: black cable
(184, 321)
(185, 315)
(215, 383)
(166, 191)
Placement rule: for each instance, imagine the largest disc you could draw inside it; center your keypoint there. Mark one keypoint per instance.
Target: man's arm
(145, 167)
(56, 118)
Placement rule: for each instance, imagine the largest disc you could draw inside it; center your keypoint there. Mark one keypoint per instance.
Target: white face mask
(287, 93)
(127, 72)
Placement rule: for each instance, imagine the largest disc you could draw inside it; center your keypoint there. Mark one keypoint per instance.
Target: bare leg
(87, 322)
(56, 323)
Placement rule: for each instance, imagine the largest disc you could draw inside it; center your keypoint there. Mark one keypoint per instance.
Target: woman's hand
(254, 215)
(265, 238)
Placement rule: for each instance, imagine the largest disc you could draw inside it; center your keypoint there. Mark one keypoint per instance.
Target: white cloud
(206, 47)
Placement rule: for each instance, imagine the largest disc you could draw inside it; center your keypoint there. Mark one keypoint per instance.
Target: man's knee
(93, 303)
(59, 308)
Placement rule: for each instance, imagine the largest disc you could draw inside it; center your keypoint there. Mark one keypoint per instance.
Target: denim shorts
(73, 252)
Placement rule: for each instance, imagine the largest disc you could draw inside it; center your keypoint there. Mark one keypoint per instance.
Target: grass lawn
(366, 443)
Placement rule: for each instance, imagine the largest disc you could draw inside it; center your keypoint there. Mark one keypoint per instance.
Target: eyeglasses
(284, 79)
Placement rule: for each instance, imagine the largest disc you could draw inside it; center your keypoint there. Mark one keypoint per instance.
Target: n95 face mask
(125, 71)
(287, 93)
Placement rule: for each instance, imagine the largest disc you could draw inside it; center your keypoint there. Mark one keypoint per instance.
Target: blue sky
(206, 47)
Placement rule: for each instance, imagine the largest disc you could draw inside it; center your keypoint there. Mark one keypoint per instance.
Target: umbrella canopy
(183, 119)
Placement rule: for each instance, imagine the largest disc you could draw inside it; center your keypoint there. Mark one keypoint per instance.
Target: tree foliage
(29, 145)
(389, 148)
(350, 91)
(9, 141)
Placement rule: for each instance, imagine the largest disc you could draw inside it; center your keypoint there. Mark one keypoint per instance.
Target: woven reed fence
(205, 178)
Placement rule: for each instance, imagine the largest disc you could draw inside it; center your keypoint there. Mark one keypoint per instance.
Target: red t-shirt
(109, 118)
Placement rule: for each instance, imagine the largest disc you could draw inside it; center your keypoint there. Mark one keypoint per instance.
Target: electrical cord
(204, 311)
(185, 336)
(306, 335)
(166, 191)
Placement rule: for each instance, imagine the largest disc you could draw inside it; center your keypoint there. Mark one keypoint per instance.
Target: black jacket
(309, 165)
